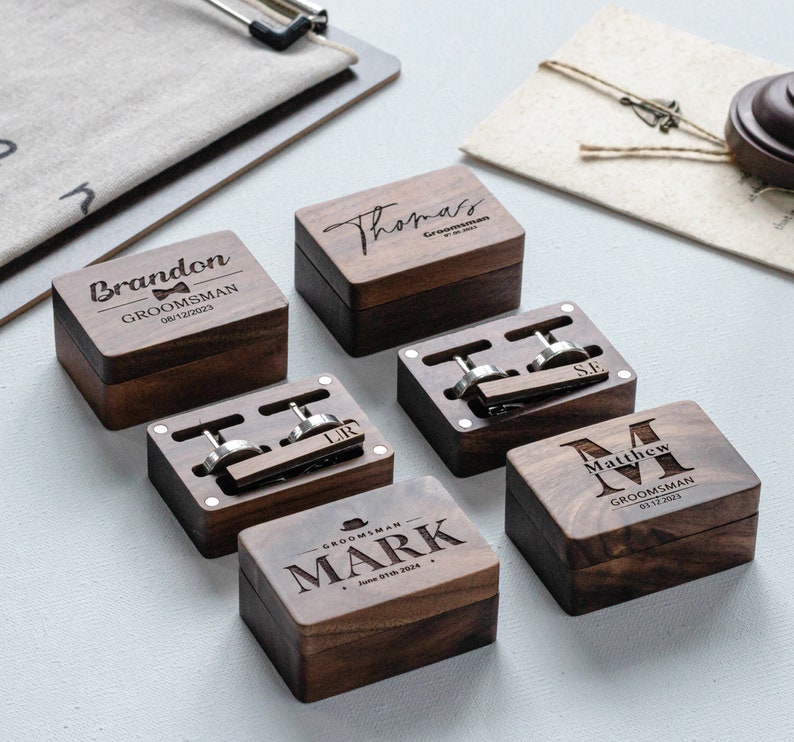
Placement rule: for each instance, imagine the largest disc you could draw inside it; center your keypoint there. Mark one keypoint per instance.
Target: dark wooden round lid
(760, 129)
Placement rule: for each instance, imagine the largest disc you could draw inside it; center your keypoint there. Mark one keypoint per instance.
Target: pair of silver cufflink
(226, 453)
(555, 354)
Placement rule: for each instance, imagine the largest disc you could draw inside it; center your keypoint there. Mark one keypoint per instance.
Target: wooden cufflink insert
(263, 455)
(523, 378)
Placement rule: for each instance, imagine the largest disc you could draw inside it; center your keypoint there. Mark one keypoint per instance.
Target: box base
(179, 388)
(175, 449)
(615, 581)
(426, 377)
(312, 677)
(214, 531)
(483, 447)
(419, 315)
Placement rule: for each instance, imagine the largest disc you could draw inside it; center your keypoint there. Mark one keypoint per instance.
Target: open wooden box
(287, 476)
(473, 433)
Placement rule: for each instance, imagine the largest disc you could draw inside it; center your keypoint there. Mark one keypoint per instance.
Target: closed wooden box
(630, 506)
(289, 476)
(171, 328)
(368, 587)
(472, 434)
(408, 259)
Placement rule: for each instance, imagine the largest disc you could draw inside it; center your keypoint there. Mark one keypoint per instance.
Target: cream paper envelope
(537, 133)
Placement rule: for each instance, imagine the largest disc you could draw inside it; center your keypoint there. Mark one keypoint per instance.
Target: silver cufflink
(473, 376)
(556, 354)
(311, 425)
(225, 453)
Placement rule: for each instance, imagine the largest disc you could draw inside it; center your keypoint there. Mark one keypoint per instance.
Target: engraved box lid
(413, 235)
(631, 483)
(368, 563)
(166, 307)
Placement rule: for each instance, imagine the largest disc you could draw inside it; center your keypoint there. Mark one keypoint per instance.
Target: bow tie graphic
(179, 288)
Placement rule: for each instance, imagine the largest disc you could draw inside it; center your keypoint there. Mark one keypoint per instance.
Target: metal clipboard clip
(305, 16)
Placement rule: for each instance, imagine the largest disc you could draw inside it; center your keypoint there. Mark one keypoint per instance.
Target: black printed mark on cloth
(89, 196)
(7, 147)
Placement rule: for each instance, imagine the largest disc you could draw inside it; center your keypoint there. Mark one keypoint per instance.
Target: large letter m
(640, 433)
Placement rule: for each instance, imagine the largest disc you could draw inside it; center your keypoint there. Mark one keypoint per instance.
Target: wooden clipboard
(26, 280)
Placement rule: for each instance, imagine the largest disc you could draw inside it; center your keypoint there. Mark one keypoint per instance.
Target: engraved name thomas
(645, 446)
(103, 291)
(380, 553)
(372, 224)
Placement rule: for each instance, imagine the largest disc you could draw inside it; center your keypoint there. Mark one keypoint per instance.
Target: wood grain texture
(168, 329)
(408, 259)
(419, 315)
(596, 504)
(367, 587)
(179, 388)
(410, 236)
(313, 677)
(424, 385)
(174, 457)
(138, 329)
(631, 505)
(632, 576)
(299, 453)
(526, 387)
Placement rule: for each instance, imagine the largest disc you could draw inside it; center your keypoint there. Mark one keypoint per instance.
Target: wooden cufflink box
(168, 329)
(479, 392)
(368, 587)
(630, 506)
(263, 455)
(408, 259)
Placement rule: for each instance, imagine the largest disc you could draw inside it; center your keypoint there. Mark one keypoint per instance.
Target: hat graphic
(353, 525)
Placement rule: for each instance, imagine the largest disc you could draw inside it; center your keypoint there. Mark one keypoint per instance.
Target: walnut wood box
(368, 587)
(169, 329)
(470, 440)
(408, 259)
(211, 510)
(631, 506)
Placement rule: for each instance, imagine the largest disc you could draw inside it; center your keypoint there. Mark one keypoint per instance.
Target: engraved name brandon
(166, 288)
(645, 465)
(102, 291)
(372, 559)
(373, 224)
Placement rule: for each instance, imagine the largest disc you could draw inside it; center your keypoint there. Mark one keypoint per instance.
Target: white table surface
(113, 627)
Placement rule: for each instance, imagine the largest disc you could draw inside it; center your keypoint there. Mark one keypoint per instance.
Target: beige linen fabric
(538, 130)
(97, 96)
